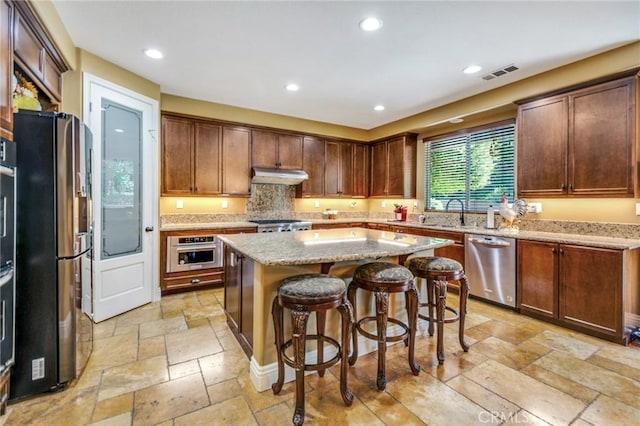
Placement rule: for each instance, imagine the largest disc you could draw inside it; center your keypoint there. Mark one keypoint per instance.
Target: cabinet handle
(561, 251)
(195, 281)
(563, 187)
(570, 187)
(3, 319)
(553, 250)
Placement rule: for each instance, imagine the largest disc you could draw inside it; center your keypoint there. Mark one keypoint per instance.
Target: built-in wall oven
(188, 253)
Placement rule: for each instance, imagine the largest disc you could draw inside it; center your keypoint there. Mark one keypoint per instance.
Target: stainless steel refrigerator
(53, 248)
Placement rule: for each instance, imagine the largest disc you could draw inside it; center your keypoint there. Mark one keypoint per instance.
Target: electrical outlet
(415, 204)
(637, 209)
(534, 207)
(316, 204)
(179, 204)
(384, 204)
(225, 204)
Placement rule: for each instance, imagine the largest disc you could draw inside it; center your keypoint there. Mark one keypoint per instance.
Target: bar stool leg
(321, 317)
(347, 321)
(382, 313)
(351, 296)
(412, 321)
(276, 313)
(299, 320)
(440, 285)
(464, 295)
(432, 303)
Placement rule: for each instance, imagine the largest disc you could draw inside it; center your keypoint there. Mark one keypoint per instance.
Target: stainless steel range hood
(277, 176)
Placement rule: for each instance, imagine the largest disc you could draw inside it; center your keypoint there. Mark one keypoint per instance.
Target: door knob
(148, 229)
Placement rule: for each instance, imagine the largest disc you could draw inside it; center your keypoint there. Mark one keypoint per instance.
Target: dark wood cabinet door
(6, 69)
(379, 170)
(289, 152)
(232, 285)
(601, 139)
(591, 288)
(537, 282)
(396, 168)
(264, 149)
(177, 155)
(236, 155)
(346, 169)
(542, 147)
(313, 160)
(332, 170)
(207, 159)
(360, 170)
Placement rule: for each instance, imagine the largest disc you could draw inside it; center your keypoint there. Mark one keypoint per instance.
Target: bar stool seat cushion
(434, 263)
(382, 272)
(311, 287)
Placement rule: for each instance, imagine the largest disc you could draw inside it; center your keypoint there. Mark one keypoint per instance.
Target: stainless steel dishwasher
(490, 266)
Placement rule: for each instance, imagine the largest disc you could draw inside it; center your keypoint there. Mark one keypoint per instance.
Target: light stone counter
(205, 225)
(328, 245)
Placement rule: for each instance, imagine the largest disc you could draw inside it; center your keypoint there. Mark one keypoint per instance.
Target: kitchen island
(256, 263)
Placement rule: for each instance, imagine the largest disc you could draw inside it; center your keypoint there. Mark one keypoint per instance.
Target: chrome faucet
(461, 209)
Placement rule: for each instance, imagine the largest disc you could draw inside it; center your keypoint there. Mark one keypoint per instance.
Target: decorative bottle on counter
(490, 217)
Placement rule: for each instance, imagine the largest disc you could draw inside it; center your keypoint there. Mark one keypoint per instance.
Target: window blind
(475, 167)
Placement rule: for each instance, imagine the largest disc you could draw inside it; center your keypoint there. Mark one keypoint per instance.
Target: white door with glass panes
(124, 126)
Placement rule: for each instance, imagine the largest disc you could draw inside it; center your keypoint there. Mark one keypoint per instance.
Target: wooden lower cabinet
(238, 297)
(337, 225)
(575, 286)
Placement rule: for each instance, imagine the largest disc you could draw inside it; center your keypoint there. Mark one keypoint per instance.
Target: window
(476, 166)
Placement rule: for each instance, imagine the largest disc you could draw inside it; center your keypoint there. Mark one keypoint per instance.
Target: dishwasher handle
(492, 243)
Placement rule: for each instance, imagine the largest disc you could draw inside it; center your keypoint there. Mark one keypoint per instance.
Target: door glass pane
(121, 180)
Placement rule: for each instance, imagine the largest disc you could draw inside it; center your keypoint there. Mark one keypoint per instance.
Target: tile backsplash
(271, 202)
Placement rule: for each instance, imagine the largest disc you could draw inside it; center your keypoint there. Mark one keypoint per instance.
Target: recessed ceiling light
(370, 24)
(379, 107)
(154, 53)
(292, 87)
(456, 120)
(472, 69)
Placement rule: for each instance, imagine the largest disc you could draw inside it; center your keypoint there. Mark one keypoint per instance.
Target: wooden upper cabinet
(339, 173)
(276, 150)
(207, 159)
(35, 53)
(191, 157)
(236, 161)
(601, 139)
(313, 159)
(6, 69)
(393, 168)
(360, 170)
(581, 143)
(177, 146)
(542, 147)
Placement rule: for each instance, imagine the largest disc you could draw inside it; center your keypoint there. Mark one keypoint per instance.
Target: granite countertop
(328, 245)
(555, 237)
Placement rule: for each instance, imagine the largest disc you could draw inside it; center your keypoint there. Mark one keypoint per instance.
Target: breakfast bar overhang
(256, 263)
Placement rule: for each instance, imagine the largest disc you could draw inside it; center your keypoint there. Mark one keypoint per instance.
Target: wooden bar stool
(437, 271)
(383, 278)
(304, 294)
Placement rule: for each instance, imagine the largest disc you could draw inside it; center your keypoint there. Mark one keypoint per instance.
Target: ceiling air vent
(500, 72)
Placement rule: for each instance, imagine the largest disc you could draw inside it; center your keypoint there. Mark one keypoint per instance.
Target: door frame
(151, 163)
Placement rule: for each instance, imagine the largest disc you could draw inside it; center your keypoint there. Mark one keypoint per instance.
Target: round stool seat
(382, 272)
(311, 289)
(434, 264)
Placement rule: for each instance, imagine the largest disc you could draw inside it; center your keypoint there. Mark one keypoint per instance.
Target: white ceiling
(243, 53)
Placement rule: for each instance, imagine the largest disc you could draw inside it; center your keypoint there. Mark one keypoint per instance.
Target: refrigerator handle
(4, 311)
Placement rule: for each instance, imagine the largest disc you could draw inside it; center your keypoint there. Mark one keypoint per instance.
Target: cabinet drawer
(193, 280)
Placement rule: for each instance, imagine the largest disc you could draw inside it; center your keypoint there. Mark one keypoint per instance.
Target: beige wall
(487, 107)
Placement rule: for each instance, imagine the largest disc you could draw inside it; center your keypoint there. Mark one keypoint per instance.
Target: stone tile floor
(175, 362)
